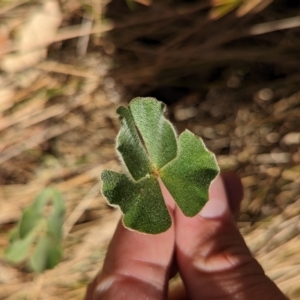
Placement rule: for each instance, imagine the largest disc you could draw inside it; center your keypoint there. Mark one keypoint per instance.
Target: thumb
(213, 259)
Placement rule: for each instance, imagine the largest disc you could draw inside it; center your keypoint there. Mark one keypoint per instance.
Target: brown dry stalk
(52, 66)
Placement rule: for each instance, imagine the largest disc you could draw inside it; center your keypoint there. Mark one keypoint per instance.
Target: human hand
(207, 250)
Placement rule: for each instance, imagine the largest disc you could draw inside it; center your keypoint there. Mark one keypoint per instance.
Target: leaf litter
(72, 159)
(34, 37)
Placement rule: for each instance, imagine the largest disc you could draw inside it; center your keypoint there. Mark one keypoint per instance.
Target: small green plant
(149, 148)
(36, 241)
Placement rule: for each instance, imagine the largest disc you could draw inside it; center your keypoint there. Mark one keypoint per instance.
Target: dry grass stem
(233, 81)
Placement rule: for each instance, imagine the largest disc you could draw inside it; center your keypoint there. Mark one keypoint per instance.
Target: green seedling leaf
(141, 201)
(156, 131)
(55, 219)
(37, 239)
(188, 177)
(31, 215)
(47, 254)
(20, 248)
(137, 161)
(149, 149)
(14, 234)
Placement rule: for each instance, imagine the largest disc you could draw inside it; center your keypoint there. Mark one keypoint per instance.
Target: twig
(37, 140)
(275, 25)
(65, 34)
(80, 208)
(12, 6)
(83, 41)
(51, 66)
(38, 285)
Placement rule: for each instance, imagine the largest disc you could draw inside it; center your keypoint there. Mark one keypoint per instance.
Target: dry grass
(57, 126)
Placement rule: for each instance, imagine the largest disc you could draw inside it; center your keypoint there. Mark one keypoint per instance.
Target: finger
(89, 294)
(213, 259)
(234, 190)
(137, 265)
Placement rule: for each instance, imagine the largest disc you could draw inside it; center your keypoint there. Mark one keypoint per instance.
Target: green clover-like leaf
(149, 148)
(141, 201)
(36, 241)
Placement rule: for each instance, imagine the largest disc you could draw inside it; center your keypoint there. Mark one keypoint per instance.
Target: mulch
(58, 128)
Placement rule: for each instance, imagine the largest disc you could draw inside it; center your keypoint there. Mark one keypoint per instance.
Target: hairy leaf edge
(118, 206)
(204, 146)
(208, 151)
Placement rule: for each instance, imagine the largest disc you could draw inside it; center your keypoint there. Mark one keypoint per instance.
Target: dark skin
(207, 250)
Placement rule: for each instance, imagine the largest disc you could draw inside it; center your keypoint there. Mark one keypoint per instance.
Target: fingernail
(214, 208)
